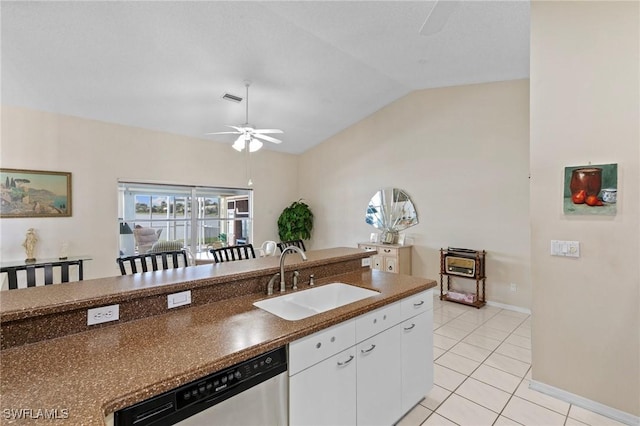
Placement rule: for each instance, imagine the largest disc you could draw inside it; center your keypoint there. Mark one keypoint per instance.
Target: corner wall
(585, 107)
(98, 154)
(461, 153)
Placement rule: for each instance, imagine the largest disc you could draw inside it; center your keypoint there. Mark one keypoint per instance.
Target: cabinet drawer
(377, 321)
(388, 251)
(367, 247)
(312, 349)
(416, 304)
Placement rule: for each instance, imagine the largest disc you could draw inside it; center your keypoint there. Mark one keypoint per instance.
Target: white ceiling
(316, 67)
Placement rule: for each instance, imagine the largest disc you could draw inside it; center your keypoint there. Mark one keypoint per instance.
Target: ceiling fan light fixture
(254, 145)
(238, 145)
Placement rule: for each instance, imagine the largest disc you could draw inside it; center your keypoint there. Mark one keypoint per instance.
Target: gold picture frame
(34, 193)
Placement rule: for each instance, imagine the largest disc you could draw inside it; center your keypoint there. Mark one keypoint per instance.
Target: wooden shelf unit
(478, 274)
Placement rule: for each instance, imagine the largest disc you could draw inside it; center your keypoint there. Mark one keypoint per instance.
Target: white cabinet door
(379, 378)
(325, 394)
(417, 358)
(377, 262)
(390, 264)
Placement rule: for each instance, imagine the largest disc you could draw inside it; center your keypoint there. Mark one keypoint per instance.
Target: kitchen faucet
(282, 256)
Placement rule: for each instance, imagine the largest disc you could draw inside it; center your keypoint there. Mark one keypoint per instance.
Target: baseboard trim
(596, 407)
(509, 307)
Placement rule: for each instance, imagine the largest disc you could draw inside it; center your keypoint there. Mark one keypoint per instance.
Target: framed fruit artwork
(591, 190)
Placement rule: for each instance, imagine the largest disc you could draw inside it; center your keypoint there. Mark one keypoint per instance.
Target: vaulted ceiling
(315, 67)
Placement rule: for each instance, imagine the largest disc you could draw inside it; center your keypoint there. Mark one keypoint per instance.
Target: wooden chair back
(232, 253)
(49, 268)
(298, 243)
(153, 261)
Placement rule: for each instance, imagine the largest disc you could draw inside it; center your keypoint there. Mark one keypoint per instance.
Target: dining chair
(231, 253)
(153, 261)
(49, 269)
(298, 243)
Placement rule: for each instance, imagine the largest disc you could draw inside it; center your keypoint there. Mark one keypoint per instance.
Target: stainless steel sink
(306, 303)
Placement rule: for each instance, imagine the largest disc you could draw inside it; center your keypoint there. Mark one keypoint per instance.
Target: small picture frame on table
(401, 238)
(373, 238)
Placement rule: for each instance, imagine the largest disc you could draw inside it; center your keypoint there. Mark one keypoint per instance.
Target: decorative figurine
(30, 245)
(64, 250)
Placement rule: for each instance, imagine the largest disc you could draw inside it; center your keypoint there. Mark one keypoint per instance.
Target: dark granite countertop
(90, 374)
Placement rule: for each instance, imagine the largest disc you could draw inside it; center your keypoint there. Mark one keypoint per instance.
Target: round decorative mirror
(391, 211)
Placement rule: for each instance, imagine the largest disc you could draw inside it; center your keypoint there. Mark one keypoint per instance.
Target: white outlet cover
(103, 314)
(179, 299)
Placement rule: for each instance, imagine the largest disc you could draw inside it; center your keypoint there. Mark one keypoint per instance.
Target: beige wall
(585, 108)
(461, 153)
(98, 154)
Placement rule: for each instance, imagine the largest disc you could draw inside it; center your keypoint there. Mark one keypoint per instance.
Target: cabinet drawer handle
(419, 304)
(410, 328)
(364, 351)
(347, 361)
(386, 250)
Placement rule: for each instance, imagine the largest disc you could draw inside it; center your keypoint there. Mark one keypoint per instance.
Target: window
(194, 217)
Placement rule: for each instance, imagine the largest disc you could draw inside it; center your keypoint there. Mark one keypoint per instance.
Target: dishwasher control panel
(223, 381)
(184, 401)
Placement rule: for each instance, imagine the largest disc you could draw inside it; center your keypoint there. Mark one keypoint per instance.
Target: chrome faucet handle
(296, 274)
(271, 283)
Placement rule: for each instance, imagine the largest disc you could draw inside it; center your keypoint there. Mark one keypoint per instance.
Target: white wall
(461, 153)
(98, 154)
(585, 107)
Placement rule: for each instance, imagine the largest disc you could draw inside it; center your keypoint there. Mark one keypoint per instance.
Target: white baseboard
(596, 407)
(509, 307)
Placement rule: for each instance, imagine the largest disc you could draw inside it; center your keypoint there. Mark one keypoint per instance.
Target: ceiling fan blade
(240, 129)
(266, 138)
(222, 133)
(263, 131)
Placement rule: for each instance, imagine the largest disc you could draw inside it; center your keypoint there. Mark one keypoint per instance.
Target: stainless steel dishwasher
(253, 392)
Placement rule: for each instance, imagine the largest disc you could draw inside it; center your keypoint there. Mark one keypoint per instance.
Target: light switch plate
(179, 299)
(565, 248)
(366, 261)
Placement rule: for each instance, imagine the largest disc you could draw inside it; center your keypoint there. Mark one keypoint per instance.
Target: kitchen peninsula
(53, 362)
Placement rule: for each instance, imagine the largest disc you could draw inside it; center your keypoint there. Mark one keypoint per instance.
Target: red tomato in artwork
(592, 200)
(579, 197)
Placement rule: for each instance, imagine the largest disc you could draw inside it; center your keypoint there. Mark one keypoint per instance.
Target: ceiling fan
(249, 138)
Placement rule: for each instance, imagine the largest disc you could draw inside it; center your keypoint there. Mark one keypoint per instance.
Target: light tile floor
(482, 371)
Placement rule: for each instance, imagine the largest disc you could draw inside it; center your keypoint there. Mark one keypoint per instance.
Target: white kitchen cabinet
(325, 394)
(367, 371)
(417, 359)
(379, 381)
(322, 377)
(390, 258)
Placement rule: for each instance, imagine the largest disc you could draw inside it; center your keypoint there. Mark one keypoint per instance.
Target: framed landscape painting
(34, 193)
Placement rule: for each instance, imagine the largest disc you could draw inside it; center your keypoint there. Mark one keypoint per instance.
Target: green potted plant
(295, 222)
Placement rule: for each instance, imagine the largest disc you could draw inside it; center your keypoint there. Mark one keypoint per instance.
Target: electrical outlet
(178, 299)
(514, 287)
(103, 314)
(366, 261)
